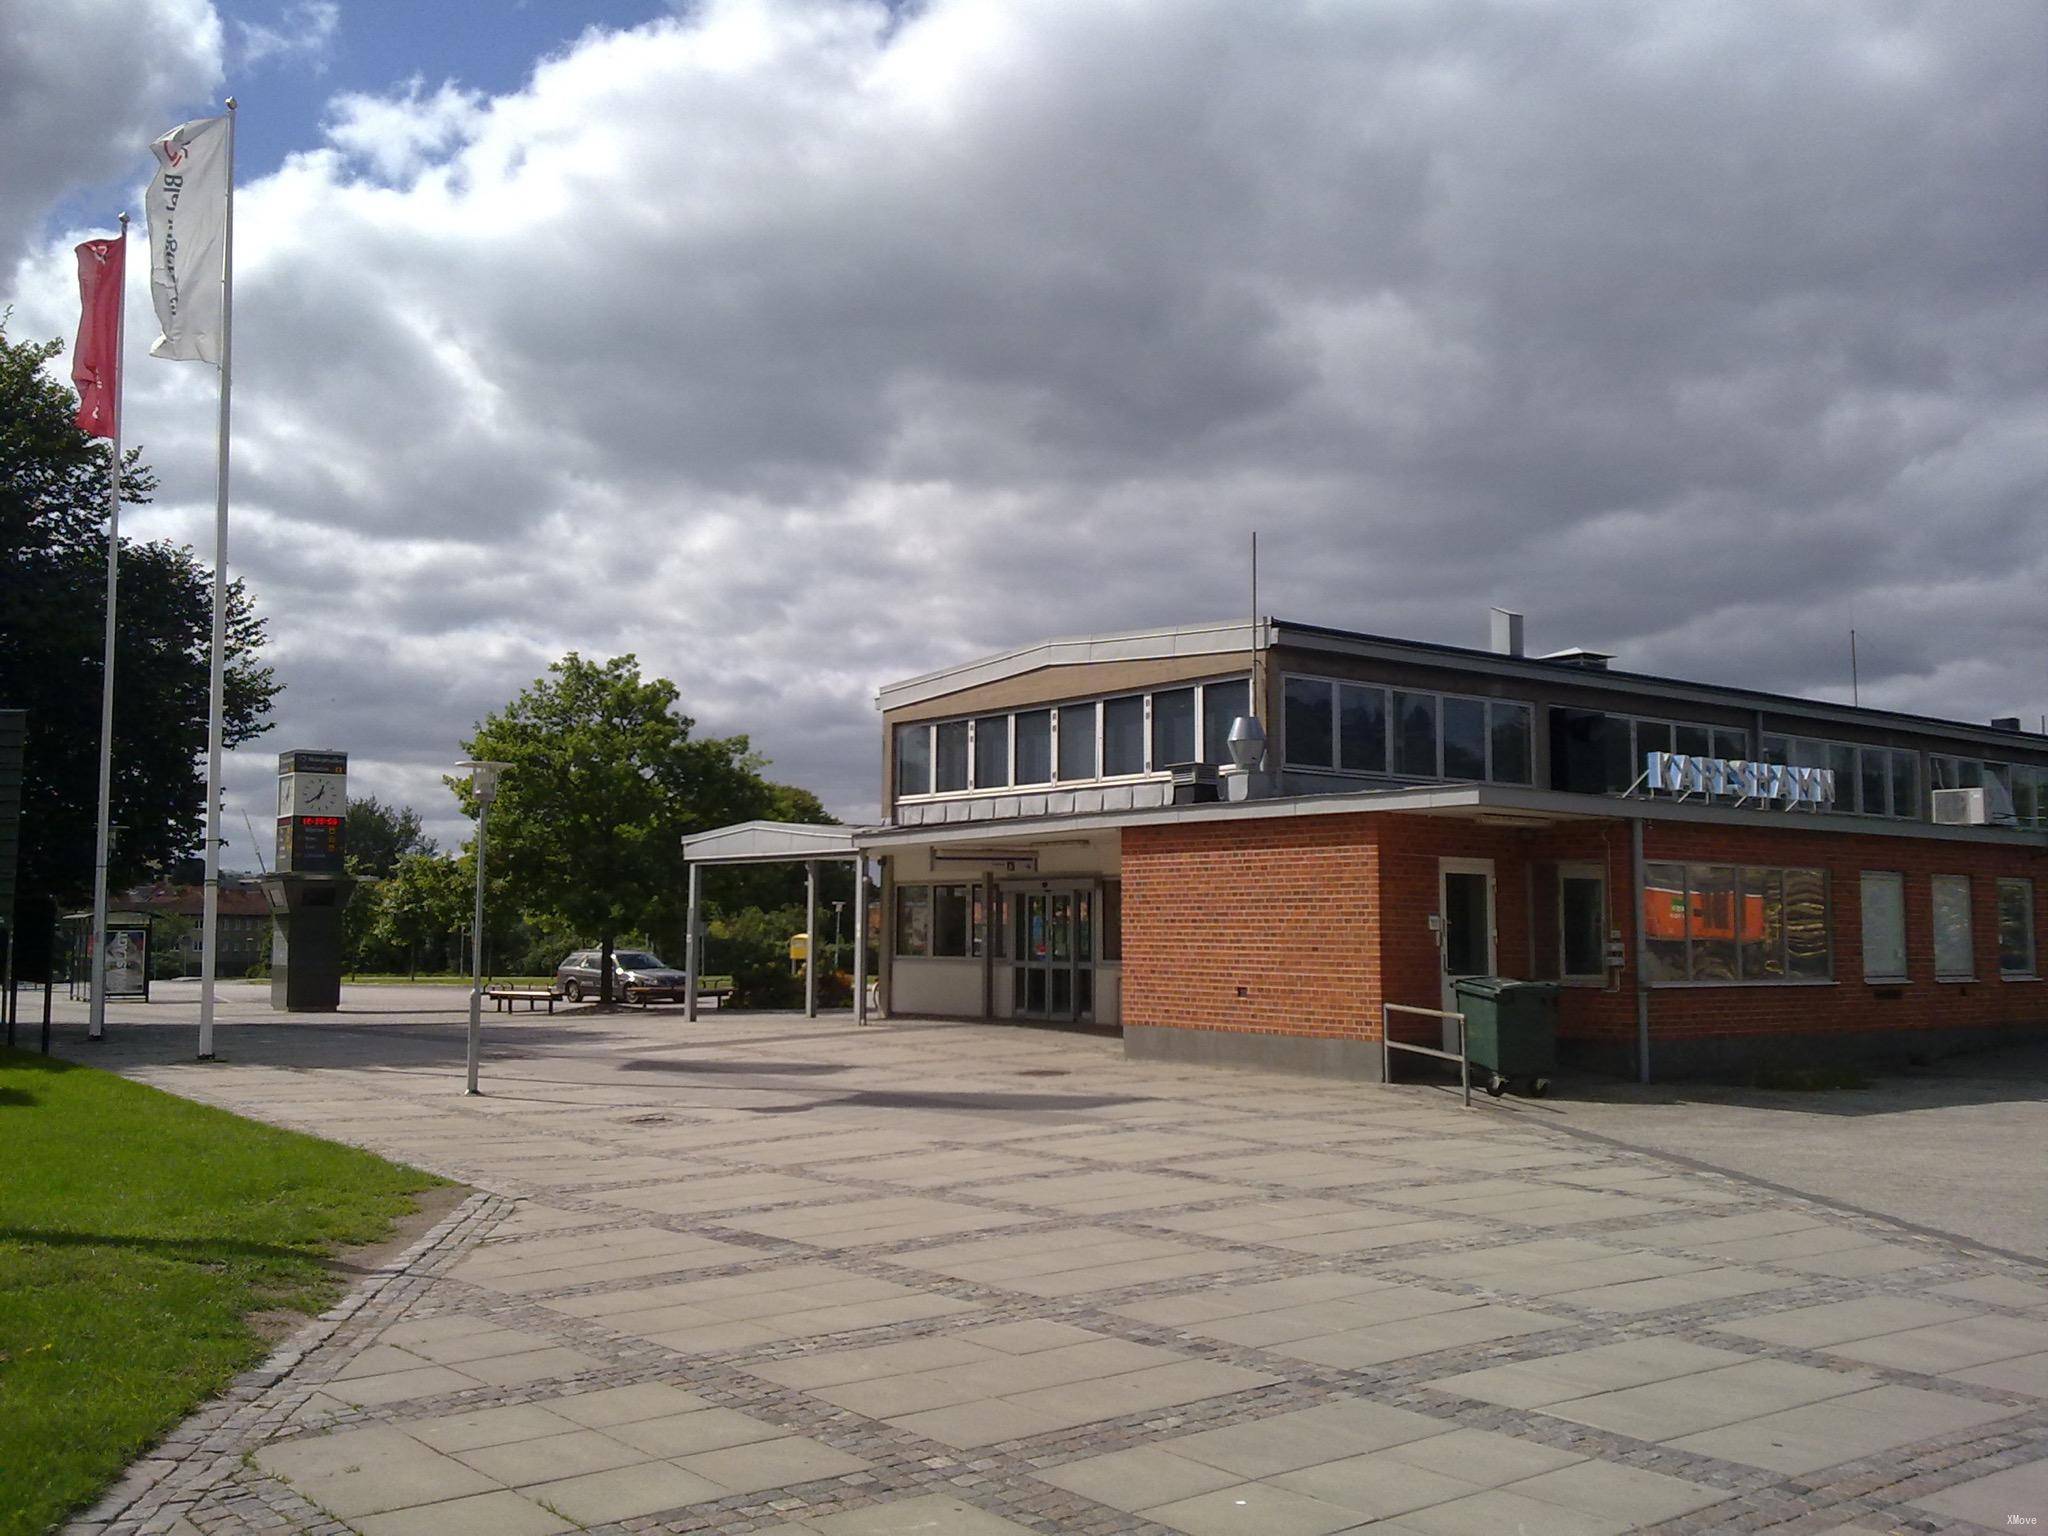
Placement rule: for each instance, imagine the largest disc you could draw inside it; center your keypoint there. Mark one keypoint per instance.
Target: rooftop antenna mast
(1855, 692)
(1253, 708)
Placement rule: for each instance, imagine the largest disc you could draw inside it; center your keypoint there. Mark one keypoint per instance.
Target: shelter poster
(127, 962)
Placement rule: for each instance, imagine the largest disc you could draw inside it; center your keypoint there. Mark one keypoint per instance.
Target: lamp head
(483, 777)
(1247, 742)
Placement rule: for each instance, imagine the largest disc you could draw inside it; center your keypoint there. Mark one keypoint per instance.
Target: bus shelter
(779, 842)
(129, 938)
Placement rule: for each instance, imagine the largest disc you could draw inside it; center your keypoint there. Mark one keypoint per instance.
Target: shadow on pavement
(2011, 1075)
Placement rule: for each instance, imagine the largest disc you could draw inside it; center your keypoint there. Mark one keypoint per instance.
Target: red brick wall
(1853, 1004)
(1255, 926)
(1303, 926)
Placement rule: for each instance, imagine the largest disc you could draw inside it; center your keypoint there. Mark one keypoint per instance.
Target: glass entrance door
(1052, 965)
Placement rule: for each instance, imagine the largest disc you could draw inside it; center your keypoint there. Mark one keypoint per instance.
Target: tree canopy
(605, 780)
(380, 835)
(53, 556)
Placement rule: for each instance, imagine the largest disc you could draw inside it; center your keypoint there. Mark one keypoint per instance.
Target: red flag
(96, 356)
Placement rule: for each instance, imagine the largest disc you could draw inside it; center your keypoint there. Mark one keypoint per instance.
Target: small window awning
(768, 842)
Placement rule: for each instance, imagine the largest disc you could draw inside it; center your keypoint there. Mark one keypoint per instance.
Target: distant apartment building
(244, 920)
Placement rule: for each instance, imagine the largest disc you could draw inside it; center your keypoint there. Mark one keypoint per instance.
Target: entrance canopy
(768, 842)
(780, 842)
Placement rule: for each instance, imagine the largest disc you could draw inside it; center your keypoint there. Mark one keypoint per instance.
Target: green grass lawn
(138, 1232)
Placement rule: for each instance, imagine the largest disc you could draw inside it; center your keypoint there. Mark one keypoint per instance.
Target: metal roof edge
(1157, 643)
(1475, 658)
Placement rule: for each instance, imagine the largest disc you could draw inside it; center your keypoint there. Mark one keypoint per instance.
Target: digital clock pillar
(310, 886)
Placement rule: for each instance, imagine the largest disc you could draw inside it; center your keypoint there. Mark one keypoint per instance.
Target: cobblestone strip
(209, 1445)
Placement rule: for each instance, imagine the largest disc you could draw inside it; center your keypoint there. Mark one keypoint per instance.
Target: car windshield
(636, 960)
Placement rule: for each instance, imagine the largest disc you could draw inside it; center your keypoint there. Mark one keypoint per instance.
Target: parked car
(637, 977)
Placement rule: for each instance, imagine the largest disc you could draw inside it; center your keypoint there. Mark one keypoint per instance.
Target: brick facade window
(1953, 957)
(1724, 923)
(1884, 925)
(2016, 929)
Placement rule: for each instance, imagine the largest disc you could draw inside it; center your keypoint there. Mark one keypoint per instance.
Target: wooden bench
(502, 998)
(715, 992)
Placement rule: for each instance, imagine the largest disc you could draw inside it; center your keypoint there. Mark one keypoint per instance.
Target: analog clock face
(318, 794)
(284, 794)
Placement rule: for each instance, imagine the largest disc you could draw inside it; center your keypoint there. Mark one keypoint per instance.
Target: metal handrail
(1388, 1044)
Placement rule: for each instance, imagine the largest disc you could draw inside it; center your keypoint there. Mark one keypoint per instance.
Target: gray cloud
(797, 347)
(84, 84)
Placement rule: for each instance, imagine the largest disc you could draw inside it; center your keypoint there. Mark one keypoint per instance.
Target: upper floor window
(1359, 728)
(913, 759)
(1173, 727)
(1034, 746)
(1088, 739)
(1869, 781)
(950, 756)
(1123, 736)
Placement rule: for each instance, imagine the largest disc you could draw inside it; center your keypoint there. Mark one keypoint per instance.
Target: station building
(1718, 878)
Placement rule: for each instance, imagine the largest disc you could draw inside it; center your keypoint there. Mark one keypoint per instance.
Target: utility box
(1510, 1030)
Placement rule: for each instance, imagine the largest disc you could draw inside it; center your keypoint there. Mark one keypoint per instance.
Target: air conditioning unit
(1194, 783)
(1988, 805)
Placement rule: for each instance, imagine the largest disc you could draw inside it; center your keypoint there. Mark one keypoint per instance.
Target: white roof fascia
(765, 842)
(1216, 639)
(1555, 805)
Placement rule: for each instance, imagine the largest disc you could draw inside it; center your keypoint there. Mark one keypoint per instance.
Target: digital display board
(310, 845)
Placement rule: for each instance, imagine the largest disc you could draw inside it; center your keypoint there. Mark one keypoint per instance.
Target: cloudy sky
(798, 345)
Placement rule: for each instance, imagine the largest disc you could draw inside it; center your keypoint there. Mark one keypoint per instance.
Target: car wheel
(572, 990)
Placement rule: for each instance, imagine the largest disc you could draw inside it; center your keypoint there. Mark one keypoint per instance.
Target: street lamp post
(483, 783)
(838, 909)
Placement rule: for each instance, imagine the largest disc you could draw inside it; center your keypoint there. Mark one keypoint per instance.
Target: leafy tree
(53, 557)
(380, 835)
(604, 783)
(424, 903)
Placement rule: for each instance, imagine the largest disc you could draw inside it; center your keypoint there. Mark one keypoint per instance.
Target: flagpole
(96, 1021)
(217, 692)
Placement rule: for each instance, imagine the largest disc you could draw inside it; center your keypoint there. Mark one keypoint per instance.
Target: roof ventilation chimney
(1507, 632)
(1579, 656)
(2005, 722)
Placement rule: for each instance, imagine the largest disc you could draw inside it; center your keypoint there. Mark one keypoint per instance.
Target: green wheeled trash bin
(1510, 1031)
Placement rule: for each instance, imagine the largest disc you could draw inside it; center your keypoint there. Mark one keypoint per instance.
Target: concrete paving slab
(1254, 1509)
(1668, 1409)
(2013, 1499)
(551, 1457)
(482, 1514)
(646, 1488)
(685, 1434)
(370, 1471)
(930, 1515)
(1140, 1478)
(489, 1426)
(764, 1464)
(611, 1237)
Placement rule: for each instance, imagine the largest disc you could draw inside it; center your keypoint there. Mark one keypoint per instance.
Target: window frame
(905, 895)
(1742, 873)
(1488, 704)
(1935, 885)
(1897, 879)
(1052, 708)
(2031, 971)
(1598, 875)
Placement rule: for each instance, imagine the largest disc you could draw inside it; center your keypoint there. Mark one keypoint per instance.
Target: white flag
(188, 212)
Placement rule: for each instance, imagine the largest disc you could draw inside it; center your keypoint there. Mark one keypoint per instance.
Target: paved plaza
(762, 1274)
